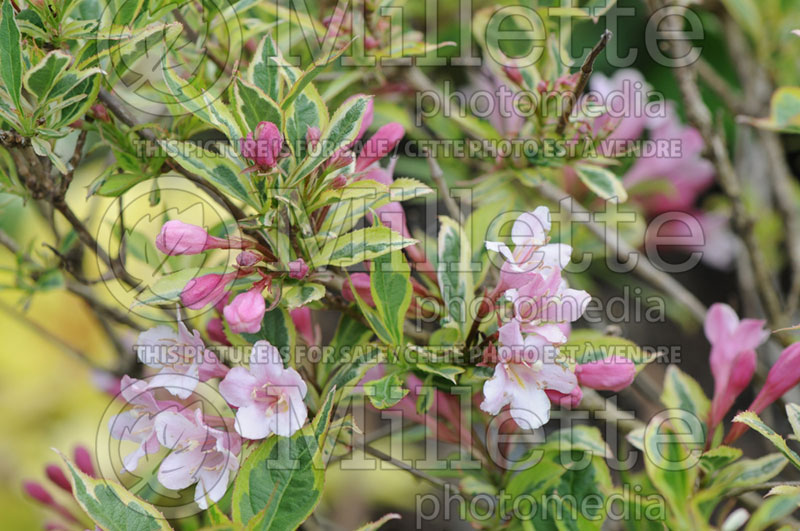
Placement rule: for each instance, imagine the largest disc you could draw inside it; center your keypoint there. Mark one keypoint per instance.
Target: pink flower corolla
(246, 311)
(379, 145)
(526, 368)
(206, 290)
(200, 454)
(360, 282)
(268, 396)
(216, 331)
(177, 237)
(546, 302)
(301, 318)
(733, 356)
(180, 357)
(263, 146)
(566, 401)
(625, 99)
(298, 269)
(532, 253)
(613, 373)
(137, 423)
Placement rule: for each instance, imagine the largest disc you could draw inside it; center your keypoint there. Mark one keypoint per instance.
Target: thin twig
(438, 177)
(583, 80)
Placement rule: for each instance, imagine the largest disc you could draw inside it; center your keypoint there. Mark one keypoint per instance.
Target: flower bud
(313, 134)
(614, 373)
(216, 331)
(301, 317)
(784, 375)
(566, 401)
(298, 269)
(248, 259)
(380, 144)
(246, 311)
(359, 281)
(83, 460)
(513, 74)
(57, 476)
(207, 289)
(264, 146)
(177, 237)
(38, 492)
(340, 181)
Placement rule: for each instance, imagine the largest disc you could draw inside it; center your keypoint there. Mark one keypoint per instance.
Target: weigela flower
(177, 237)
(298, 269)
(379, 145)
(206, 290)
(246, 311)
(180, 357)
(532, 253)
(269, 396)
(526, 368)
(263, 146)
(613, 373)
(200, 454)
(361, 283)
(733, 356)
(545, 302)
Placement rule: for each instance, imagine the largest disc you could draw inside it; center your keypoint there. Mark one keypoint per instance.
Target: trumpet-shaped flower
(246, 311)
(200, 454)
(269, 397)
(613, 373)
(177, 237)
(206, 290)
(526, 368)
(181, 358)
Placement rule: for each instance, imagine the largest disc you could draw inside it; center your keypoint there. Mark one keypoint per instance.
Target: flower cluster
(529, 371)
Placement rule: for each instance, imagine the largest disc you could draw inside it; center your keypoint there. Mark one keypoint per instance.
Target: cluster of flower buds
(263, 146)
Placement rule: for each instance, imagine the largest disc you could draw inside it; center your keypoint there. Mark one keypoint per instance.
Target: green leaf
(793, 414)
(718, 458)
(681, 391)
(586, 345)
(277, 327)
(747, 472)
(311, 72)
(254, 106)
(784, 112)
(391, 291)
(214, 167)
(385, 392)
(300, 294)
(264, 69)
(601, 181)
(280, 484)
(41, 78)
(341, 131)
(308, 110)
(322, 420)
(110, 506)
(448, 372)
(117, 184)
(456, 281)
(747, 15)
(772, 511)
(11, 58)
(753, 420)
(360, 245)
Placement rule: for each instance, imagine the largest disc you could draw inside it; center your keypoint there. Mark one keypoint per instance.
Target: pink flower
(379, 145)
(784, 375)
(359, 282)
(298, 269)
(301, 317)
(205, 290)
(264, 147)
(180, 357)
(216, 331)
(269, 397)
(732, 357)
(532, 253)
(613, 373)
(56, 475)
(544, 303)
(624, 96)
(246, 311)
(248, 259)
(83, 460)
(566, 401)
(177, 237)
(526, 368)
(200, 454)
(137, 424)
(313, 134)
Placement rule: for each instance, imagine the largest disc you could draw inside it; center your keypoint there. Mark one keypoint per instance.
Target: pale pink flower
(269, 397)
(263, 146)
(526, 368)
(137, 423)
(732, 357)
(200, 454)
(532, 253)
(177, 237)
(206, 290)
(546, 302)
(613, 373)
(246, 311)
(180, 357)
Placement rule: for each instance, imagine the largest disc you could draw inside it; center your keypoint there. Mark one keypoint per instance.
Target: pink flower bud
(57, 476)
(380, 144)
(246, 311)
(370, 42)
(248, 259)
(359, 281)
(610, 374)
(216, 331)
(177, 237)
(301, 317)
(83, 460)
(298, 269)
(340, 181)
(566, 401)
(313, 134)
(38, 492)
(264, 146)
(740, 375)
(784, 375)
(513, 74)
(207, 289)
